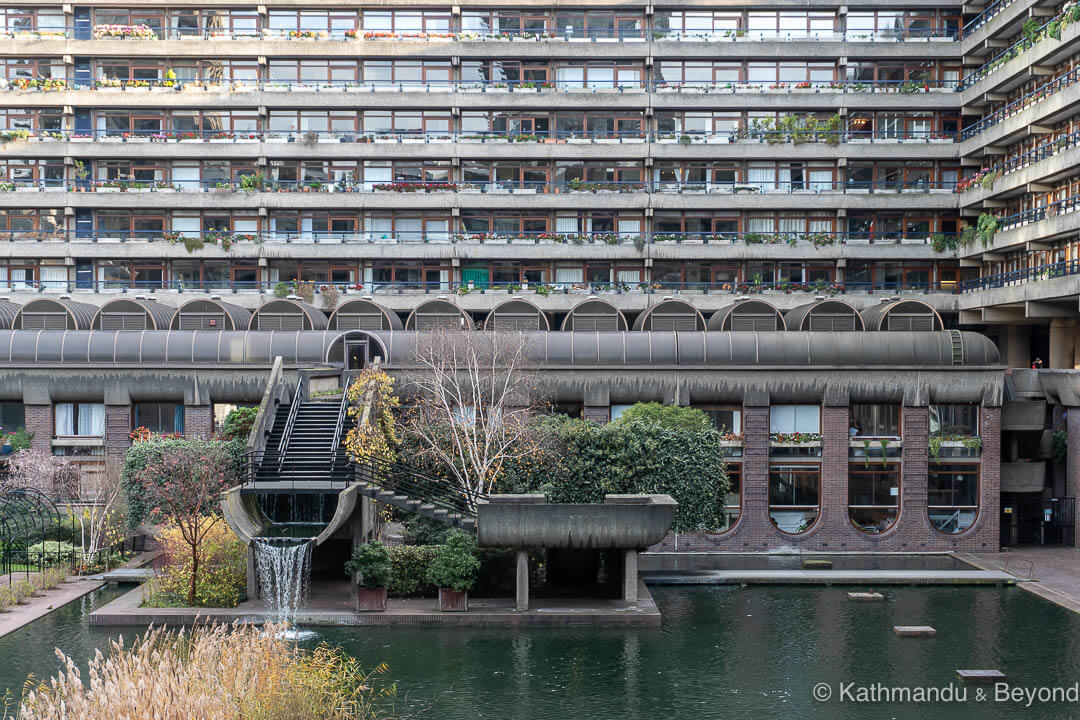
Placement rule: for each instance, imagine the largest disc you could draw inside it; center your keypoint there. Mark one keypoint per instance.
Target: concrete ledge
(830, 577)
(126, 610)
(40, 606)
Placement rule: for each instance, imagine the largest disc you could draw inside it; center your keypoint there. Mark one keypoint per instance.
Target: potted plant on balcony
(453, 571)
(370, 566)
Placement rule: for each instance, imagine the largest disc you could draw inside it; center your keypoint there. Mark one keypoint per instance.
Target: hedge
(148, 452)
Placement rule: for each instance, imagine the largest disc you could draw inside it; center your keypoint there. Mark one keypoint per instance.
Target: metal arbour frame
(26, 516)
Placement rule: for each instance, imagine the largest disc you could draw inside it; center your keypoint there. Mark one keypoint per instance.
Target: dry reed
(213, 672)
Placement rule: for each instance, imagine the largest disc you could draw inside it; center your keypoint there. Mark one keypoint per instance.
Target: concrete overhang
(620, 522)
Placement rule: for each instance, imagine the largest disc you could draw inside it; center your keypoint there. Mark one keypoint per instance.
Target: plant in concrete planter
(453, 571)
(370, 565)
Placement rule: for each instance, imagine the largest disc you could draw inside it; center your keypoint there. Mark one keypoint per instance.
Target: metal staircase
(401, 486)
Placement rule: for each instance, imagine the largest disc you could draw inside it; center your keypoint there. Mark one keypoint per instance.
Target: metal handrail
(290, 421)
(424, 488)
(339, 425)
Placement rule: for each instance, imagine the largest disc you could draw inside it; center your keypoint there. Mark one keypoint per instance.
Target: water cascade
(283, 567)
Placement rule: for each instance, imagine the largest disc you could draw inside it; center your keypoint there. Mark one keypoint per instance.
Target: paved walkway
(1052, 573)
(50, 600)
(61, 595)
(830, 577)
(332, 605)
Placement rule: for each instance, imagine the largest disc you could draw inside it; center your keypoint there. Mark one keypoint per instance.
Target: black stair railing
(405, 480)
(290, 422)
(339, 426)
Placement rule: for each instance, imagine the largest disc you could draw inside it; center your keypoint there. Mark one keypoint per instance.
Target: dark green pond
(722, 652)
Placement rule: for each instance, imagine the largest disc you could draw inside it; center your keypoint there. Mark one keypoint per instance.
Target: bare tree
(101, 513)
(472, 400)
(52, 475)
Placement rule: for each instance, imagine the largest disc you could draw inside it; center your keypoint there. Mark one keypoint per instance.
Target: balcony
(1023, 477)
(1029, 416)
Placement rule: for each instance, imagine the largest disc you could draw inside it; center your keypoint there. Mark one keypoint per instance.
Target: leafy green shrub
(238, 423)
(408, 574)
(1059, 446)
(23, 591)
(371, 561)
(153, 452)
(454, 565)
(7, 598)
(420, 530)
(672, 417)
(50, 552)
(222, 579)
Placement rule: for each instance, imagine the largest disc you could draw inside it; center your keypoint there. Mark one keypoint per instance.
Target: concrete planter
(452, 601)
(370, 599)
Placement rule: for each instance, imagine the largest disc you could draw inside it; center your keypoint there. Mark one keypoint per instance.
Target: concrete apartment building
(672, 170)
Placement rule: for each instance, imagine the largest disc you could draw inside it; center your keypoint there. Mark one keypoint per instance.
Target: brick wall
(39, 421)
(597, 413)
(117, 429)
(834, 530)
(198, 421)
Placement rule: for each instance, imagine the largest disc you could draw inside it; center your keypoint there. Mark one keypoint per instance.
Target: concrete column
(1072, 459)
(1062, 341)
(522, 584)
(630, 578)
(1018, 346)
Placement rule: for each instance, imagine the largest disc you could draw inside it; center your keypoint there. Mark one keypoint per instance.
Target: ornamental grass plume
(212, 672)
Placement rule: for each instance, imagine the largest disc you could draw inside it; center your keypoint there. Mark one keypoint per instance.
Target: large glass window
(79, 420)
(952, 495)
(160, 418)
(873, 494)
(794, 496)
(954, 420)
(787, 419)
(12, 417)
(875, 421)
(733, 499)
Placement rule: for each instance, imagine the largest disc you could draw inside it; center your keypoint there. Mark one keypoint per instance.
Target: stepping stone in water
(812, 564)
(866, 596)
(980, 676)
(914, 631)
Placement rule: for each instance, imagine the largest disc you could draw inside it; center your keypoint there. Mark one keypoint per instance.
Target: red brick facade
(117, 430)
(198, 421)
(834, 531)
(39, 422)
(1072, 459)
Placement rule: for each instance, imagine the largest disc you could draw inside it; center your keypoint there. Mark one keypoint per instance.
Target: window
(952, 491)
(954, 420)
(160, 418)
(724, 419)
(794, 496)
(733, 499)
(79, 420)
(12, 417)
(788, 419)
(875, 421)
(873, 495)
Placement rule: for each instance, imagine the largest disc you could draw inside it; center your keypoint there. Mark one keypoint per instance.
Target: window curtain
(54, 277)
(92, 419)
(569, 275)
(65, 419)
(764, 178)
(178, 419)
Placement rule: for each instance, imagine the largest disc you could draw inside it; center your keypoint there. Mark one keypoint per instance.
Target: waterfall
(283, 568)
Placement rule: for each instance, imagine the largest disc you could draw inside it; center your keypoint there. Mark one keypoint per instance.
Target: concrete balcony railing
(1024, 416)
(1023, 477)
(1048, 102)
(1024, 383)
(1045, 222)
(1049, 159)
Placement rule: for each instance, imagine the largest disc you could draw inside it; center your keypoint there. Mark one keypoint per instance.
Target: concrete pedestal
(522, 584)
(630, 578)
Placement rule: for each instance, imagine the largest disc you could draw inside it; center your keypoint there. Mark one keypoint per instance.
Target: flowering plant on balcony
(189, 135)
(984, 178)
(140, 32)
(778, 86)
(731, 437)
(352, 34)
(307, 34)
(795, 438)
(108, 83)
(172, 236)
(46, 84)
(412, 187)
(802, 86)
(142, 434)
(245, 237)
(222, 136)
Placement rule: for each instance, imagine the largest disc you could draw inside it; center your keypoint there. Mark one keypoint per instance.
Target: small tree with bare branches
(471, 403)
(52, 475)
(100, 514)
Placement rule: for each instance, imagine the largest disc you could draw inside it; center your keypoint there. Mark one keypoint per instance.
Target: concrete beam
(970, 317)
(1034, 245)
(1035, 309)
(971, 262)
(993, 203)
(1040, 129)
(993, 150)
(1038, 187)
(1003, 315)
(993, 257)
(1041, 70)
(995, 97)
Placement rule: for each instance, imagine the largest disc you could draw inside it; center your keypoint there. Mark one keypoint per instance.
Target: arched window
(873, 494)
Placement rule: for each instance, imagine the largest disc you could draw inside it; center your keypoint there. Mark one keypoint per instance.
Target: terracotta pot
(452, 601)
(370, 599)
